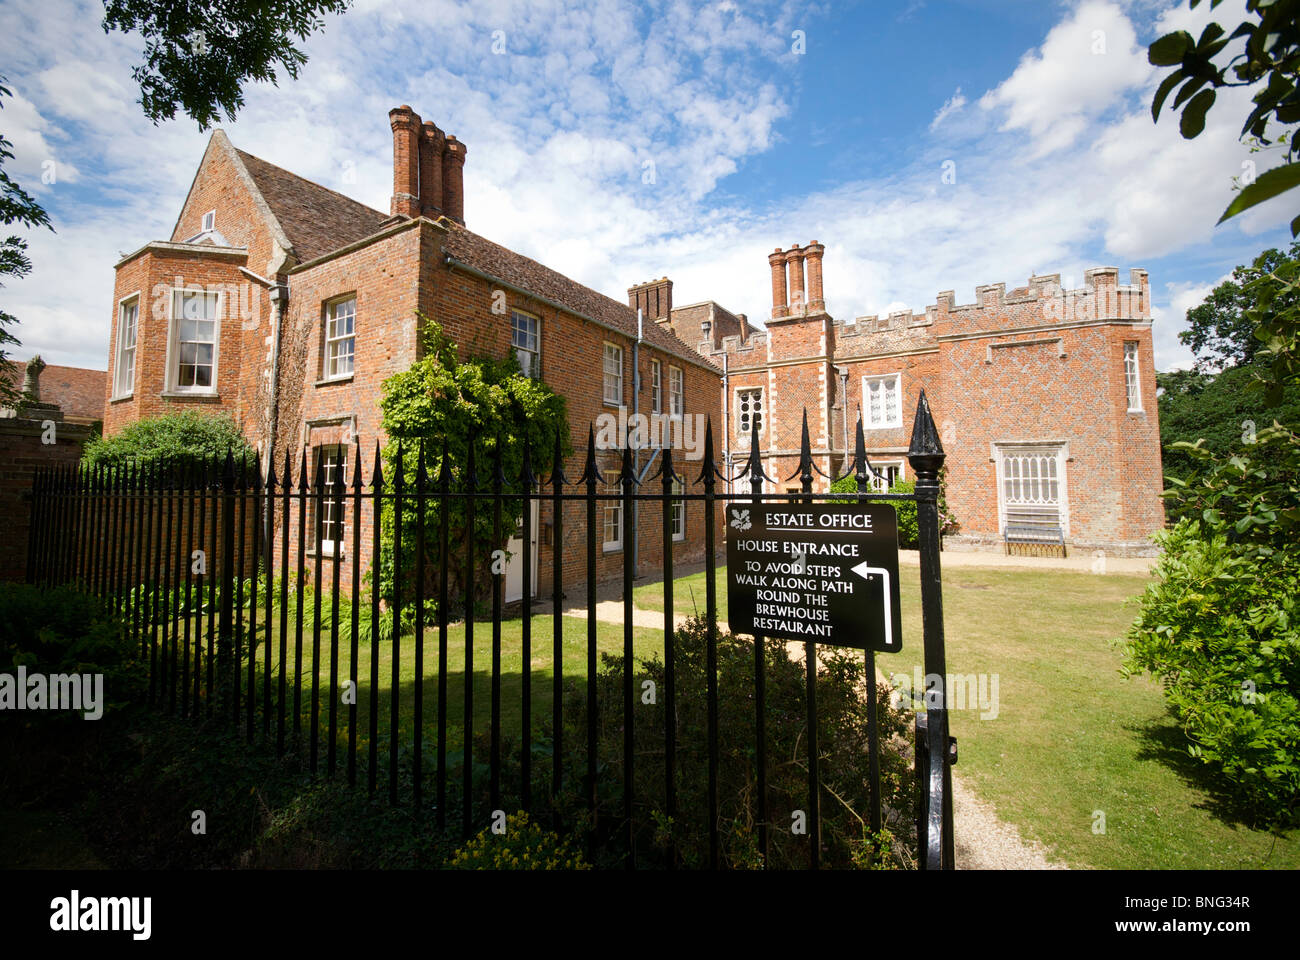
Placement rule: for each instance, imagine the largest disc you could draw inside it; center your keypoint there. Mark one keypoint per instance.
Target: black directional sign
(825, 572)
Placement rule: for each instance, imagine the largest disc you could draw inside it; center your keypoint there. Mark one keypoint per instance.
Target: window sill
(605, 548)
(882, 426)
(333, 380)
(196, 397)
(1139, 410)
(123, 397)
(341, 555)
(612, 405)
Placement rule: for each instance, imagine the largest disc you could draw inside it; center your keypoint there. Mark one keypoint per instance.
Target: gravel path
(984, 842)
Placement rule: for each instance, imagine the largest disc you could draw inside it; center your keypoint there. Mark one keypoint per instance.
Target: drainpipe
(726, 419)
(844, 401)
(636, 454)
(279, 304)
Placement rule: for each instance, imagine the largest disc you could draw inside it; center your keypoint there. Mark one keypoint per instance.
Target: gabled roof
(520, 271)
(316, 219)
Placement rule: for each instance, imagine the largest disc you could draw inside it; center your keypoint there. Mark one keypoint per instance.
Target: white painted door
(515, 566)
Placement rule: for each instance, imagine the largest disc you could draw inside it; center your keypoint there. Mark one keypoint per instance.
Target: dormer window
(208, 233)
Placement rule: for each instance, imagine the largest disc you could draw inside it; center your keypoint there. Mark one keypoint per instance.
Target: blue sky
(764, 124)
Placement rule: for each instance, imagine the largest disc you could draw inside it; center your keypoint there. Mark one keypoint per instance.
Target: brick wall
(1038, 365)
(22, 452)
(151, 275)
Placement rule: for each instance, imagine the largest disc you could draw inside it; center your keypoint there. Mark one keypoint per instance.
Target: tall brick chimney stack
(653, 298)
(780, 307)
(453, 179)
(788, 268)
(813, 253)
(432, 142)
(406, 161)
(794, 257)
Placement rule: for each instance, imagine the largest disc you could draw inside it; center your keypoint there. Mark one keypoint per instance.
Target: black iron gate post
(861, 473)
(933, 746)
(226, 595)
(756, 476)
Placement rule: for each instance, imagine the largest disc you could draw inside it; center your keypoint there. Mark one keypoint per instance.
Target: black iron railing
(188, 554)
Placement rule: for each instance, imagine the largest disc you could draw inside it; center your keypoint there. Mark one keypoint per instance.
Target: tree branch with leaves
(198, 56)
(1268, 58)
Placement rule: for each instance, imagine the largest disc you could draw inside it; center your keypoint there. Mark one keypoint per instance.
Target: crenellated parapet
(1042, 301)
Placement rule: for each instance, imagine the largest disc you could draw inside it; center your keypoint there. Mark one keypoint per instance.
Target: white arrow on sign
(865, 572)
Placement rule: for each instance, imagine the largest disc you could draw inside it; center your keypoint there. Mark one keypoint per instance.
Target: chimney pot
(654, 298)
(431, 147)
(453, 179)
(406, 161)
(780, 307)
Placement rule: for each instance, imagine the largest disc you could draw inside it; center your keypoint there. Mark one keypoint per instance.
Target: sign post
(825, 572)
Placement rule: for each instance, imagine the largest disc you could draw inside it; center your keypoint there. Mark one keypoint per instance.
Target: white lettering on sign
(826, 521)
(817, 574)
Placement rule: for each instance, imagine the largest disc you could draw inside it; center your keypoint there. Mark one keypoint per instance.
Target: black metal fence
(188, 554)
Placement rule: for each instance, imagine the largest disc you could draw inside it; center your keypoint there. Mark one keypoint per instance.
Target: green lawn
(609, 639)
(1071, 736)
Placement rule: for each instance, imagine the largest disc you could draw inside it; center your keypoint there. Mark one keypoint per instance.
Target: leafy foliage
(1251, 496)
(1275, 314)
(1220, 626)
(908, 533)
(198, 56)
(909, 536)
(171, 438)
(1221, 629)
(63, 630)
(525, 845)
(16, 207)
(1218, 409)
(1220, 331)
(159, 605)
(1269, 59)
(480, 410)
(842, 716)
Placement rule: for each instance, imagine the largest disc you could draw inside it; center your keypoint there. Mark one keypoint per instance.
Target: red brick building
(286, 305)
(1045, 398)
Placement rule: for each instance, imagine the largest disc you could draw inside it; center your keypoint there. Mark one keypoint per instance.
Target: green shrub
(170, 438)
(523, 846)
(908, 535)
(1221, 629)
(64, 631)
(842, 715)
(447, 402)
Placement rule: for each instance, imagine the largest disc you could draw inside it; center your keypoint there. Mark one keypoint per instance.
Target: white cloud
(950, 106)
(36, 161)
(558, 129)
(1087, 64)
